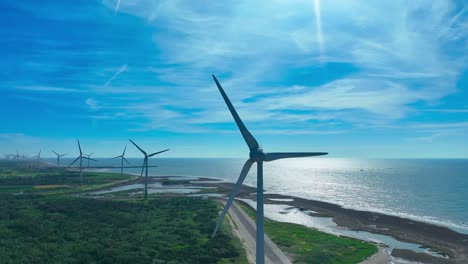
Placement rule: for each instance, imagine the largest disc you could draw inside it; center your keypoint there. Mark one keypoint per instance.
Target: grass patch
(309, 245)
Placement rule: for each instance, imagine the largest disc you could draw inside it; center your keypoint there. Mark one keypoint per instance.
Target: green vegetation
(41, 222)
(16, 177)
(309, 245)
(44, 229)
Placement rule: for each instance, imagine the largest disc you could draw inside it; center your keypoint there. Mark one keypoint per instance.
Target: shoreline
(442, 239)
(415, 218)
(439, 238)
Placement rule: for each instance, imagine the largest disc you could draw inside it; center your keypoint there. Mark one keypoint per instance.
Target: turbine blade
(138, 147)
(249, 139)
(63, 155)
(116, 157)
(79, 146)
(55, 153)
(126, 160)
(89, 158)
(74, 161)
(156, 153)
(285, 155)
(235, 190)
(143, 167)
(123, 154)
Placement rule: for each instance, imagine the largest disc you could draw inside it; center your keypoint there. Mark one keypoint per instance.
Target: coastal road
(246, 230)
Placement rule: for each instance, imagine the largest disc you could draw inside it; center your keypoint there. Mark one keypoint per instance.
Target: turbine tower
(122, 158)
(80, 157)
(256, 155)
(145, 164)
(58, 157)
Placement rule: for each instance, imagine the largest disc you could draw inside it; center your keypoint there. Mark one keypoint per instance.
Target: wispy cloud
(308, 66)
(122, 69)
(92, 104)
(49, 89)
(117, 7)
(461, 125)
(318, 24)
(444, 110)
(399, 60)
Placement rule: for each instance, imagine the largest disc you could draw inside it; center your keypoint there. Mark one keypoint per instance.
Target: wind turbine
(145, 164)
(256, 155)
(38, 156)
(58, 157)
(80, 157)
(122, 158)
(89, 157)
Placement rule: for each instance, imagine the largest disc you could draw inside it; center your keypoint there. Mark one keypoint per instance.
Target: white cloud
(385, 98)
(122, 69)
(48, 89)
(117, 7)
(318, 22)
(405, 52)
(92, 104)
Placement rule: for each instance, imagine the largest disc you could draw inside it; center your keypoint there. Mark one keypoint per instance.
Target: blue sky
(355, 78)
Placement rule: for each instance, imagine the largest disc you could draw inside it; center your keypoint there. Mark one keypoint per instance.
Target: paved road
(247, 231)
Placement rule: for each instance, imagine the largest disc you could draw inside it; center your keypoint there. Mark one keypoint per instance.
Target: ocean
(429, 190)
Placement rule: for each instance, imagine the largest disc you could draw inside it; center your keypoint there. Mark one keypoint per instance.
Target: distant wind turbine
(88, 156)
(122, 158)
(38, 156)
(145, 164)
(80, 157)
(256, 155)
(58, 157)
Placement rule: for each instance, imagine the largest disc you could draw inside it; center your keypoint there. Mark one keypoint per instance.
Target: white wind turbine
(88, 156)
(58, 157)
(122, 158)
(256, 155)
(145, 164)
(81, 157)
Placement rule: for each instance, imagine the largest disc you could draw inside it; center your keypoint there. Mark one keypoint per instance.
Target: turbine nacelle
(257, 154)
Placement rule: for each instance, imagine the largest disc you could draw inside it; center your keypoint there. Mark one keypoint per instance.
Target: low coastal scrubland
(45, 219)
